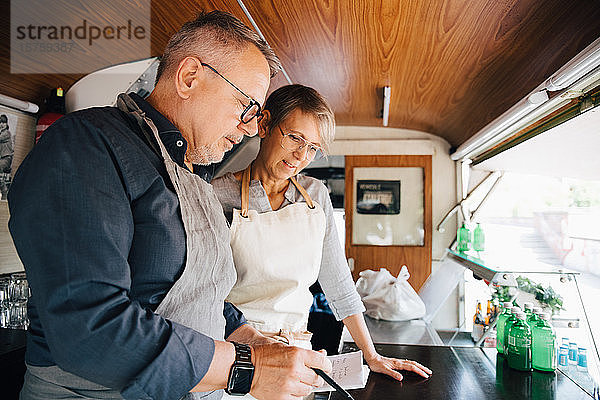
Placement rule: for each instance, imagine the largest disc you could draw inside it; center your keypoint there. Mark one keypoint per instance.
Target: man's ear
(187, 77)
(263, 126)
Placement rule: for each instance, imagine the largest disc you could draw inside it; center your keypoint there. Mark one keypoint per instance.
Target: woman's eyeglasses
(293, 142)
(253, 108)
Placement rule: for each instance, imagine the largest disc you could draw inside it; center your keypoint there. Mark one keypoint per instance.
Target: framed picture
(388, 208)
(378, 197)
(17, 132)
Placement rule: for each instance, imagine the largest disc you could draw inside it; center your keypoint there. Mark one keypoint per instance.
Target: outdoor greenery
(584, 194)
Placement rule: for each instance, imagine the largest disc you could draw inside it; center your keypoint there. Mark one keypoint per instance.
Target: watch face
(240, 380)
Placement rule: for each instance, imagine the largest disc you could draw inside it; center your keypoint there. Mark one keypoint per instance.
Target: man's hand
(284, 372)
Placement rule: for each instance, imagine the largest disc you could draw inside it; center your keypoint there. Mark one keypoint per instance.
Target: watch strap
(241, 373)
(243, 353)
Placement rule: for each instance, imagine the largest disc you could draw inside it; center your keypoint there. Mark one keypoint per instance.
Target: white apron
(277, 255)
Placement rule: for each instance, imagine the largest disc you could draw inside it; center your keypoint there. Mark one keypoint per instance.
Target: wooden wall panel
(416, 258)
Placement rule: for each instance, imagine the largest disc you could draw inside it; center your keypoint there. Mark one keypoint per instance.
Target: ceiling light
(387, 91)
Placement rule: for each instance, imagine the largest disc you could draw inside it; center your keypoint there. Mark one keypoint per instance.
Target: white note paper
(348, 372)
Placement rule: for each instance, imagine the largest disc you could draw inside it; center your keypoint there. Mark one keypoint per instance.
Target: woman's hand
(390, 366)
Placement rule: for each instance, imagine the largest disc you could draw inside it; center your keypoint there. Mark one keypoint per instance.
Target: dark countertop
(458, 373)
(462, 373)
(11, 340)
(12, 362)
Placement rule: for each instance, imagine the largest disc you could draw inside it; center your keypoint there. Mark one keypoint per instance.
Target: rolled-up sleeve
(335, 277)
(72, 225)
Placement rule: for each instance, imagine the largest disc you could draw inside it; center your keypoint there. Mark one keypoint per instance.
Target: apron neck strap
(246, 191)
(303, 192)
(127, 105)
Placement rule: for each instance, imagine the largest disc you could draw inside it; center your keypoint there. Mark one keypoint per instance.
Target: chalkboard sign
(377, 197)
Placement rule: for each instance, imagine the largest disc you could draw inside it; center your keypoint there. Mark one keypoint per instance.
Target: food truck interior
(453, 118)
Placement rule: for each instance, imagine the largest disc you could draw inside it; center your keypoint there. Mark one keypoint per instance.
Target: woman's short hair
(213, 37)
(285, 100)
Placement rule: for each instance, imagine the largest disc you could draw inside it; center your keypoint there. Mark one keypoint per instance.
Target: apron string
(126, 104)
(246, 191)
(303, 192)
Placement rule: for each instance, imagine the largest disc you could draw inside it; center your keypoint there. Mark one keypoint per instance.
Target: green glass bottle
(463, 237)
(528, 309)
(500, 326)
(543, 347)
(478, 238)
(519, 345)
(510, 320)
(533, 318)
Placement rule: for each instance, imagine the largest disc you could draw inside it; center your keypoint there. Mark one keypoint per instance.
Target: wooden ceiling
(453, 65)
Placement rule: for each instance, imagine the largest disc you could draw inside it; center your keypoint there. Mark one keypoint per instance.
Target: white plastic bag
(389, 298)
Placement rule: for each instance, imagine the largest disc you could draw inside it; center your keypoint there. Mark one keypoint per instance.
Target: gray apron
(196, 299)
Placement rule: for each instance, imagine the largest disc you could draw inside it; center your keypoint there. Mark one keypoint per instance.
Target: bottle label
(519, 341)
(562, 359)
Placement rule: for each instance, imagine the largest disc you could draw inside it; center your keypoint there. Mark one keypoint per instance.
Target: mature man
(127, 252)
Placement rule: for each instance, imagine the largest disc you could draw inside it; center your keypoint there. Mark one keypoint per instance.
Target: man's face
(216, 106)
(3, 126)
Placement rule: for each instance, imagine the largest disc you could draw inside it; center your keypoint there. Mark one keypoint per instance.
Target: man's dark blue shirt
(98, 227)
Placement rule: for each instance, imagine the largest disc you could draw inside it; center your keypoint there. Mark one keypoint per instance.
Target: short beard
(205, 155)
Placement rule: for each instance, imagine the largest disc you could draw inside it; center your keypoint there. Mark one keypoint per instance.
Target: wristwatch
(242, 371)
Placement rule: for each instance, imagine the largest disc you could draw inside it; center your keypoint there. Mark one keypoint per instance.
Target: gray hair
(285, 100)
(213, 37)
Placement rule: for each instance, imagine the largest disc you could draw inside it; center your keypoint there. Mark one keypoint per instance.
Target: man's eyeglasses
(293, 142)
(253, 108)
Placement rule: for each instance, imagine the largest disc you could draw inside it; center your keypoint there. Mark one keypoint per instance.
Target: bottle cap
(572, 344)
(507, 304)
(582, 348)
(527, 306)
(545, 316)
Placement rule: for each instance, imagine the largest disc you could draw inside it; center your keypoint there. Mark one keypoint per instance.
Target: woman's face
(281, 163)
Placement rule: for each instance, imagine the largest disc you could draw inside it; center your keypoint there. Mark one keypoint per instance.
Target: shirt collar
(172, 138)
(290, 193)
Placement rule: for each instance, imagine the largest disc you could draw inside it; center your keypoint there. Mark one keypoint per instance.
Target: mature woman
(283, 234)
